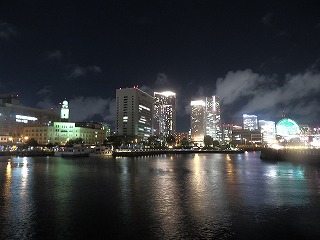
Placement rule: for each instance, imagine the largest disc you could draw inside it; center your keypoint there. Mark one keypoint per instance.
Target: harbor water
(190, 196)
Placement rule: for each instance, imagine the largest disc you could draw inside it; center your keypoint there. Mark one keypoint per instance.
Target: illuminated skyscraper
(250, 122)
(197, 120)
(268, 131)
(134, 113)
(164, 113)
(213, 118)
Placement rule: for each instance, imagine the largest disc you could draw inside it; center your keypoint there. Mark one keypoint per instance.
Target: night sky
(260, 57)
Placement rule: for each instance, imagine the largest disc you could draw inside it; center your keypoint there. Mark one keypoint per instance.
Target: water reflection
(196, 196)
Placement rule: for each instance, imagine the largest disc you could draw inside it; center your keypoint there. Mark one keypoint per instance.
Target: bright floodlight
(198, 103)
(166, 93)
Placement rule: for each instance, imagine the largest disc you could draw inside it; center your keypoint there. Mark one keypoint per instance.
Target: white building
(197, 120)
(164, 113)
(250, 122)
(64, 112)
(268, 131)
(213, 118)
(134, 113)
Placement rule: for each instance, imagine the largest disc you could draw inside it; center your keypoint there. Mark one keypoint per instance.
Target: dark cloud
(267, 18)
(296, 93)
(7, 31)
(45, 91)
(54, 55)
(162, 80)
(77, 71)
(85, 108)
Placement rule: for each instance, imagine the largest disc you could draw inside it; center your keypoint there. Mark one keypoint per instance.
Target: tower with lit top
(64, 114)
(164, 122)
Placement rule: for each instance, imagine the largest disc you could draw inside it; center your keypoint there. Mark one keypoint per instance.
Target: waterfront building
(62, 132)
(268, 131)
(246, 138)
(107, 128)
(13, 117)
(181, 137)
(134, 113)
(250, 122)
(213, 126)
(197, 121)
(287, 128)
(164, 113)
(227, 130)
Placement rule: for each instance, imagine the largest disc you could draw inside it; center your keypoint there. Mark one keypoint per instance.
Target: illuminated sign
(25, 119)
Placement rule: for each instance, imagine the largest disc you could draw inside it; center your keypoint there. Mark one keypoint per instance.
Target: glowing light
(287, 127)
(197, 103)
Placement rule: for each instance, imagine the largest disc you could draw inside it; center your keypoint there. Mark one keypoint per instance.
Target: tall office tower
(213, 118)
(197, 120)
(268, 131)
(250, 122)
(164, 113)
(134, 113)
(64, 113)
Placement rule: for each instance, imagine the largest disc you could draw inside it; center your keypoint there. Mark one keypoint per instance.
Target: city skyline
(257, 59)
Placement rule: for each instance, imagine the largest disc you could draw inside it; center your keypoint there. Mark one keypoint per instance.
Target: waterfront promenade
(151, 152)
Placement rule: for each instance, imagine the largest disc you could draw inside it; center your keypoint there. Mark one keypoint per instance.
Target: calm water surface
(196, 196)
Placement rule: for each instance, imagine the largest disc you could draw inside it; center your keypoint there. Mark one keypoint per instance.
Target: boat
(77, 151)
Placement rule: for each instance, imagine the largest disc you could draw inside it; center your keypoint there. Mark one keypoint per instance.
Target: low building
(245, 137)
(61, 132)
(14, 117)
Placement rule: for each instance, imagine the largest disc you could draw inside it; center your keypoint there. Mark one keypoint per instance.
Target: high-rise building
(134, 113)
(213, 118)
(227, 130)
(164, 113)
(268, 131)
(250, 122)
(197, 120)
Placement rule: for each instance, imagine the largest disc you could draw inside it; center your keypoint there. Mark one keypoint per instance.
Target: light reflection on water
(159, 197)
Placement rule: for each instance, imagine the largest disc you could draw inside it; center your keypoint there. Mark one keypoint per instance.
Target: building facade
(14, 117)
(164, 113)
(62, 132)
(134, 113)
(197, 120)
(227, 130)
(213, 126)
(250, 122)
(246, 138)
(268, 131)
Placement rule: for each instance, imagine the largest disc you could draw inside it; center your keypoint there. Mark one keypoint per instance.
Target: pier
(299, 155)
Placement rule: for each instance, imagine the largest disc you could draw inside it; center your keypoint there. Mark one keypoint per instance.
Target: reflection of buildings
(164, 113)
(250, 122)
(13, 117)
(268, 131)
(134, 113)
(197, 120)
